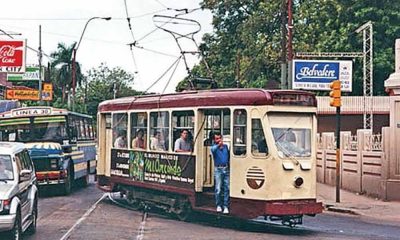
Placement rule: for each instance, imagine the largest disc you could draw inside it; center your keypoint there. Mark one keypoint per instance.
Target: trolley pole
(336, 101)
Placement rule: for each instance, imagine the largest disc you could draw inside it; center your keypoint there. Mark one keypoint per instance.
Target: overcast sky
(106, 41)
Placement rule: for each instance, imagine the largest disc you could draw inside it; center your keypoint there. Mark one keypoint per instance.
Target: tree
(62, 64)
(100, 84)
(245, 47)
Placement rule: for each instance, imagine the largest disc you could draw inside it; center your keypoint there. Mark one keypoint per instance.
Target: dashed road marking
(140, 234)
(83, 218)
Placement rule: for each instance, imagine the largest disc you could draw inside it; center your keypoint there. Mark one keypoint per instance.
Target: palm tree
(63, 64)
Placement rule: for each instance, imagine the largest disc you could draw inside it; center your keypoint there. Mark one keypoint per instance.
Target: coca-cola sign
(12, 56)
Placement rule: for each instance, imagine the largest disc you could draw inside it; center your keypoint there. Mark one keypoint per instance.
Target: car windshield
(6, 168)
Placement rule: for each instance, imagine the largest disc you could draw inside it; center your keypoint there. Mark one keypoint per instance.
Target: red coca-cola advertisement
(12, 56)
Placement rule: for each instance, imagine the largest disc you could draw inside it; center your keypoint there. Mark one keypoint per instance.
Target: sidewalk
(353, 203)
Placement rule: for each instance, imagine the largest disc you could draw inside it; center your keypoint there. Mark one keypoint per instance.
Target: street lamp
(74, 58)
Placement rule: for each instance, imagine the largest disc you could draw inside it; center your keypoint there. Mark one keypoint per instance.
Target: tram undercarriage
(180, 205)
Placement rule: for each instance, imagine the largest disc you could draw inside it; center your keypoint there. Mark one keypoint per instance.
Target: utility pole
(290, 46)
(283, 45)
(40, 64)
(336, 102)
(367, 32)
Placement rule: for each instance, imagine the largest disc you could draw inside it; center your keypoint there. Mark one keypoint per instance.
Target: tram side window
(119, 127)
(217, 120)
(258, 144)
(139, 130)
(183, 120)
(159, 128)
(239, 131)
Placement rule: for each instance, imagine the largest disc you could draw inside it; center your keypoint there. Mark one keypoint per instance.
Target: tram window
(119, 124)
(139, 130)
(108, 121)
(159, 124)
(258, 144)
(293, 142)
(217, 120)
(183, 120)
(239, 132)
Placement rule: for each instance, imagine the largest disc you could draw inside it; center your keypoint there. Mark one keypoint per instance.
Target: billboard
(31, 74)
(12, 56)
(318, 74)
(23, 94)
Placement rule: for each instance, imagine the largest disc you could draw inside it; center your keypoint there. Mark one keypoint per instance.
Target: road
(89, 214)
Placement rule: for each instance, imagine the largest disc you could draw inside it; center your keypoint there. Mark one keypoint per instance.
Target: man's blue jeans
(221, 175)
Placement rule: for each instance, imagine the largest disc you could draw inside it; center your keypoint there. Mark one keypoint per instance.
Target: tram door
(105, 143)
(213, 120)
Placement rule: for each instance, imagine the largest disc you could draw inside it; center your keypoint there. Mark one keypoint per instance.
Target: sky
(63, 21)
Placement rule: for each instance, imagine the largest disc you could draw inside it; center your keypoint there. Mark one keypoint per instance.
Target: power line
(133, 37)
(153, 51)
(81, 19)
(162, 4)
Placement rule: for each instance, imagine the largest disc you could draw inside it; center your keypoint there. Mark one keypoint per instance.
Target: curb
(337, 209)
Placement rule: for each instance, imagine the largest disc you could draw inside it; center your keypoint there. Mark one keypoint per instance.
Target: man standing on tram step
(182, 144)
(220, 152)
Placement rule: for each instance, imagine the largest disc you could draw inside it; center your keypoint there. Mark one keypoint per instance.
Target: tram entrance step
(205, 199)
(206, 209)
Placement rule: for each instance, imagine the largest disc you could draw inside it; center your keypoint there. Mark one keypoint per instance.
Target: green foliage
(99, 86)
(62, 70)
(246, 45)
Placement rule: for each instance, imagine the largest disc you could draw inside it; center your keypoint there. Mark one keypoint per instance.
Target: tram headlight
(298, 181)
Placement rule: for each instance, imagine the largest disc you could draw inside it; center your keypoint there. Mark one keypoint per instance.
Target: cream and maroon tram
(271, 136)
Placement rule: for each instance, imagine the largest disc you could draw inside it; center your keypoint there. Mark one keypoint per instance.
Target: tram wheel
(133, 202)
(183, 210)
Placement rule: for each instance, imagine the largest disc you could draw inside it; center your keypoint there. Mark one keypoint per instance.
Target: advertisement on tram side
(162, 168)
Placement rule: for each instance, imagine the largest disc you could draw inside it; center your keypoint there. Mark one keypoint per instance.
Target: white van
(18, 190)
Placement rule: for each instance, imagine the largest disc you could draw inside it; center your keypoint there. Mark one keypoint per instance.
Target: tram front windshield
(292, 141)
(292, 134)
(34, 132)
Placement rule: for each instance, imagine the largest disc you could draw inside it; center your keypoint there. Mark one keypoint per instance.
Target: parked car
(18, 190)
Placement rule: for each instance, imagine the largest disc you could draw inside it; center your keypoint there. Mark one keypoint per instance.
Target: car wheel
(68, 183)
(32, 227)
(85, 180)
(16, 232)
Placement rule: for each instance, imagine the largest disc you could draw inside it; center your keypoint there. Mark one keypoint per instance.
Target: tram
(272, 141)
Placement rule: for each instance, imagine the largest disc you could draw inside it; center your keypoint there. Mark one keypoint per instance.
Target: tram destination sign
(318, 74)
(12, 56)
(162, 168)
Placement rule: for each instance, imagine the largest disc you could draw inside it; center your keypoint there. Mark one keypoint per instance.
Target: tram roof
(215, 97)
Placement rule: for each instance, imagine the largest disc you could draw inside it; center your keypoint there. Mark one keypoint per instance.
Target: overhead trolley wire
(133, 37)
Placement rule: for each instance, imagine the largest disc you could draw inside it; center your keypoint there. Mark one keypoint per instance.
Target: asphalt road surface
(89, 214)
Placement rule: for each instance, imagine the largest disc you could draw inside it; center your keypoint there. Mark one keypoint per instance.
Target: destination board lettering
(31, 112)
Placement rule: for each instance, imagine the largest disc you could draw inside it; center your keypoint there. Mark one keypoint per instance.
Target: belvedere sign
(318, 74)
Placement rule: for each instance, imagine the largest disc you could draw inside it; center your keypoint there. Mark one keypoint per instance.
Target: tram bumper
(293, 207)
